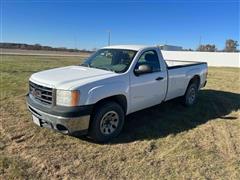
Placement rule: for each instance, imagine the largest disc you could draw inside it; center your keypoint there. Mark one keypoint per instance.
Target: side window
(149, 58)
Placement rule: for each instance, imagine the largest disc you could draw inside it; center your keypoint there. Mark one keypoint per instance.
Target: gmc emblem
(36, 93)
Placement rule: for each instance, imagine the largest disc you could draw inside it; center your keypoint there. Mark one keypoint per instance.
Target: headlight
(67, 98)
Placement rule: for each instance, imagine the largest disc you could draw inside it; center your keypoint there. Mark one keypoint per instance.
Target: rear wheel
(106, 122)
(191, 94)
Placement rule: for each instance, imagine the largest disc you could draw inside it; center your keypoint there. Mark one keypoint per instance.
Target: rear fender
(194, 72)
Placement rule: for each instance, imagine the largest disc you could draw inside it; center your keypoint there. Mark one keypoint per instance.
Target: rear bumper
(65, 120)
(203, 84)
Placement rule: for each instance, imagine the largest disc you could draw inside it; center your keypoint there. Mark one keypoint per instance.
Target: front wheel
(191, 94)
(106, 122)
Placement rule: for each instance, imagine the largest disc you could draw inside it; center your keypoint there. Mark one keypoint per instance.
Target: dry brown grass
(168, 141)
(41, 52)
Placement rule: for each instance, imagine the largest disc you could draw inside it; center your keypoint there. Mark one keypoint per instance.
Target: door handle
(159, 78)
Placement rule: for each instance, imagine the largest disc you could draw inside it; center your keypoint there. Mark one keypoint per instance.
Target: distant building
(170, 48)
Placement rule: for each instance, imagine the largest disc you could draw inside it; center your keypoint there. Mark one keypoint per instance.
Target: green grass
(168, 141)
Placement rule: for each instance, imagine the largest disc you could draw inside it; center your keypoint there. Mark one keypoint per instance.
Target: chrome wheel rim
(192, 96)
(109, 123)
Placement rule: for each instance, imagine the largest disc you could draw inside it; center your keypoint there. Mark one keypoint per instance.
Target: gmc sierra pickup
(93, 98)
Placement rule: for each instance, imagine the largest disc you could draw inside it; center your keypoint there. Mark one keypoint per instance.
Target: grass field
(167, 141)
(41, 52)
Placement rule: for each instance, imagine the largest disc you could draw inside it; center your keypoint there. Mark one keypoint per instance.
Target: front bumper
(67, 120)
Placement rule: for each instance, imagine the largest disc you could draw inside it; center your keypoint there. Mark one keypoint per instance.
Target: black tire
(97, 126)
(191, 94)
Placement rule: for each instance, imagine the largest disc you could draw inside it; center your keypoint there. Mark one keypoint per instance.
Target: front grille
(41, 93)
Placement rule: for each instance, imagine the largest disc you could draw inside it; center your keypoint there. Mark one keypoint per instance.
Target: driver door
(147, 89)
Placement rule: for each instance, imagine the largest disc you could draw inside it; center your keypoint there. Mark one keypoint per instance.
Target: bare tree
(207, 48)
(231, 45)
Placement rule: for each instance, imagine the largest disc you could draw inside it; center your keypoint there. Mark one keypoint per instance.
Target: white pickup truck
(93, 98)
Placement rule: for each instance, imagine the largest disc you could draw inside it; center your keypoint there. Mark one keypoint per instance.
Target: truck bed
(180, 73)
(172, 64)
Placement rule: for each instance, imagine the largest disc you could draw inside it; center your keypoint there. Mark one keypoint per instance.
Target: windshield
(117, 60)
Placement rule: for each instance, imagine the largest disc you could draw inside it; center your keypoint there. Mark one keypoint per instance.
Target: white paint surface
(219, 59)
(140, 91)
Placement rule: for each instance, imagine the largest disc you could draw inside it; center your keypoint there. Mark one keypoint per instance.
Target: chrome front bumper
(65, 125)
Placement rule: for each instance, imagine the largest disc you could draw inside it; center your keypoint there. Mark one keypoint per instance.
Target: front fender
(100, 92)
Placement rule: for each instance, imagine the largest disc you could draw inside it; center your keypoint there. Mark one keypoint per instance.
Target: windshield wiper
(105, 68)
(85, 65)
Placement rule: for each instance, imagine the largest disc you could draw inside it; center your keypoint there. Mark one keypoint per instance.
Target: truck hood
(67, 77)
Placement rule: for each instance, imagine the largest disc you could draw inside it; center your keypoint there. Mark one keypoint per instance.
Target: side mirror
(143, 69)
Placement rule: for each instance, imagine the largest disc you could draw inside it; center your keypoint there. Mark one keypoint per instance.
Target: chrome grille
(41, 93)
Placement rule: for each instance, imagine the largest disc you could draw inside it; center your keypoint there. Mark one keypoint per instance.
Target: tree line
(230, 46)
(38, 47)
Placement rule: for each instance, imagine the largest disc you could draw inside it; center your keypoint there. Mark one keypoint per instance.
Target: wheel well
(120, 99)
(195, 79)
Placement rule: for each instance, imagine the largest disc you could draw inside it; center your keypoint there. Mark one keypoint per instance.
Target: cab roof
(129, 47)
